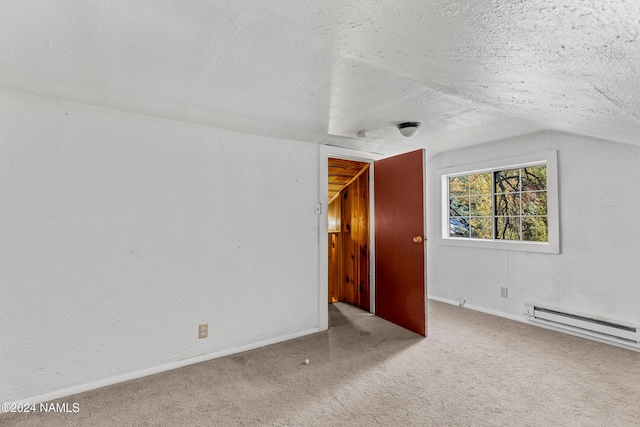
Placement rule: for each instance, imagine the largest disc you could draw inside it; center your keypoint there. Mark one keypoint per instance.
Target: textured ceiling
(319, 71)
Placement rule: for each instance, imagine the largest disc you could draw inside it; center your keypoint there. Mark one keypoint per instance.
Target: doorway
(396, 229)
(348, 233)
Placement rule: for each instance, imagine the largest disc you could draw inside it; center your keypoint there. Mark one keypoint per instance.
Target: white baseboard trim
(480, 309)
(529, 322)
(157, 369)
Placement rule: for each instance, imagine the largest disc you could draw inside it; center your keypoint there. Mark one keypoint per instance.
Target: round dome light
(409, 129)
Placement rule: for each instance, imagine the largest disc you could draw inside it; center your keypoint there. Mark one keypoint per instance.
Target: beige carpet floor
(473, 370)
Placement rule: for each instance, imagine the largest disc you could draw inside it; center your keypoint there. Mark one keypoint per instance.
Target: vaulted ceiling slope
(319, 71)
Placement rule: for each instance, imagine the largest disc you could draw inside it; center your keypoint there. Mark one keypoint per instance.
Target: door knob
(417, 239)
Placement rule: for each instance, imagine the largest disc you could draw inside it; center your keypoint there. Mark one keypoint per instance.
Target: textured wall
(120, 233)
(595, 273)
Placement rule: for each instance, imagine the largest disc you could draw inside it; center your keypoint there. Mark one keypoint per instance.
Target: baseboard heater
(600, 328)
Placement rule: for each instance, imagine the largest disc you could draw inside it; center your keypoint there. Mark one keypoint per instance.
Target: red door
(399, 241)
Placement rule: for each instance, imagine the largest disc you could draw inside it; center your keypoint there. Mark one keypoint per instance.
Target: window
(510, 204)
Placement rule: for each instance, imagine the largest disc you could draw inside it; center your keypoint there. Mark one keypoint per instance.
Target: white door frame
(326, 151)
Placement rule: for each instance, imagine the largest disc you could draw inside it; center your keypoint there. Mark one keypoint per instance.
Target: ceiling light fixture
(409, 129)
(362, 133)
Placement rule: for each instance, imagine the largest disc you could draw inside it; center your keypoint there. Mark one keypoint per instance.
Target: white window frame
(550, 159)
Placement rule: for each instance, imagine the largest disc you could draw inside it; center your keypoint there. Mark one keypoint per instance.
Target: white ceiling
(470, 71)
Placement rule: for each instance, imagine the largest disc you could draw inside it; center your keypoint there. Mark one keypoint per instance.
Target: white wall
(598, 268)
(120, 233)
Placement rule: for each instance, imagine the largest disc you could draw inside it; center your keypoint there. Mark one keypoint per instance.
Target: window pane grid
(505, 204)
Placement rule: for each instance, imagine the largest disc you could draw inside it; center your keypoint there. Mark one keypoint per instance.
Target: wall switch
(203, 330)
(504, 292)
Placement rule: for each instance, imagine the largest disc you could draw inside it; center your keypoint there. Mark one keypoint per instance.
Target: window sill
(501, 245)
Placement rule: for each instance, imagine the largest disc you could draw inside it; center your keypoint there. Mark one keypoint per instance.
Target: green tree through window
(508, 204)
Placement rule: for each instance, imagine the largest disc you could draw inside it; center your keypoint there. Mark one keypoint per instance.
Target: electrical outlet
(203, 330)
(504, 292)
